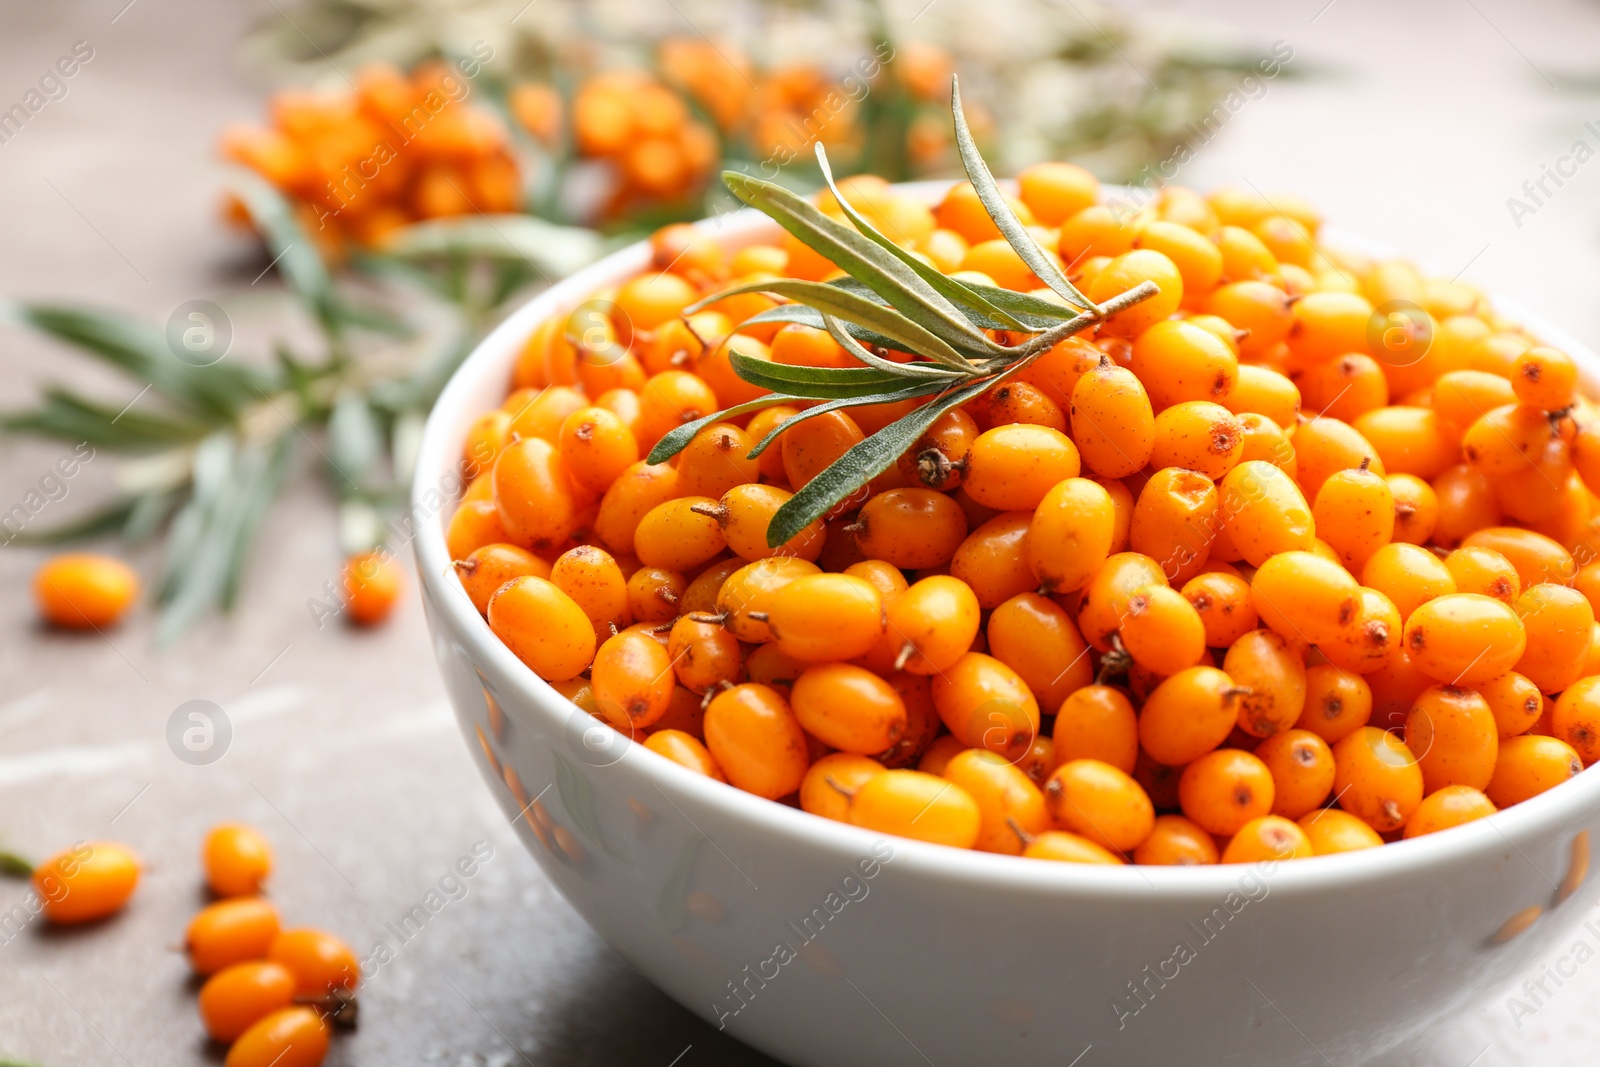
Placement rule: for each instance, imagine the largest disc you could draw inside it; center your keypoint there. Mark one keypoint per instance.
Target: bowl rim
(437, 463)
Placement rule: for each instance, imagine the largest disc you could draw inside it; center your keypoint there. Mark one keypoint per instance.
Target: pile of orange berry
(1295, 557)
(269, 993)
(360, 163)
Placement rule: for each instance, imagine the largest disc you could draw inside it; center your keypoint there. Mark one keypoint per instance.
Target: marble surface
(1423, 120)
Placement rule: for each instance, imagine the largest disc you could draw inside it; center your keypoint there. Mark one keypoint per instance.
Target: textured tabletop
(1426, 118)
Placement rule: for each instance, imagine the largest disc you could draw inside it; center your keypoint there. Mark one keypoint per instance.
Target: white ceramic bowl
(825, 945)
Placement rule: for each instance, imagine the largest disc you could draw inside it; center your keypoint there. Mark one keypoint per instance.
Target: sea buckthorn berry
(887, 579)
(1125, 272)
(654, 594)
(1328, 325)
(647, 301)
(1012, 467)
(1576, 719)
(236, 859)
(1332, 831)
(810, 447)
(1538, 559)
(543, 414)
(82, 591)
(1354, 513)
(319, 961)
(229, 932)
(1463, 639)
(1264, 512)
(923, 724)
(632, 679)
(798, 345)
(1097, 722)
(670, 399)
(1094, 231)
(1105, 599)
(1417, 509)
(933, 623)
(1304, 597)
(1528, 765)
(1020, 402)
(1058, 370)
(745, 597)
(1323, 446)
(1199, 436)
(1271, 837)
(1408, 575)
(1377, 778)
(1508, 440)
(1545, 378)
(704, 655)
(487, 568)
(1453, 735)
(1266, 440)
(848, 707)
(1175, 841)
(919, 806)
(936, 459)
(679, 534)
(700, 596)
(1062, 847)
(756, 740)
(636, 491)
(1259, 308)
(1338, 701)
(596, 446)
(1244, 256)
(88, 881)
(1275, 675)
(1223, 603)
(1223, 790)
(1011, 808)
(831, 782)
(1302, 770)
(1371, 639)
(1162, 631)
(594, 581)
(824, 617)
(533, 494)
(911, 528)
(1071, 534)
(1198, 260)
(762, 423)
(1409, 440)
(1559, 626)
(372, 585)
(939, 754)
(1099, 802)
(986, 704)
(1515, 702)
(1175, 521)
(1036, 638)
(488, 434)
(233, 999)
(745, 512)
(1586, 453)
(288, 1037)
(1263, 391)
(543, 627)
(1345, 388)
(1188, 715)
(685, 750)
(1178, 361)
(1450, 806)
(715, 460)
(1113, 424)
(993, 561)
(1054, 192)
(1461, 397)
(1485, 571)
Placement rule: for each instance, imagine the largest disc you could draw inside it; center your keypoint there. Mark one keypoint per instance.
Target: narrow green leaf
(678, 438)
(149, 511)
(994, 202)
(810, 316)
(840, 333)
(911, 392)
(951, 289)
(818, 384)
(863, 462)
(859, 257)
(902, 332)
(103, 520)
(14, 866)
(552, 251)
(295, 256)
(355, 443)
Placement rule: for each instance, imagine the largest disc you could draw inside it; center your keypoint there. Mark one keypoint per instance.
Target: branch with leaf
(891, 300)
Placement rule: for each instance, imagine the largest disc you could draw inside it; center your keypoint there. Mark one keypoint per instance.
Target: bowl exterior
(826, 945)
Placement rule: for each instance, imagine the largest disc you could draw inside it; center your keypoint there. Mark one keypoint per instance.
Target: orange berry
(229, 932)
(685, 750)
(1559, 626)
(919, 806)
(1485, 571)
(236, 859)
(1223, 604)
(1113, 424)
(1537, 558)
(236, 997)
(543, 627)
(745, 595)
(1188, 715)
(704, 654)
(1127, 271)
(1062, 847)
(1354, 512)
(594, 581)
(1271, 837)
(1450, 806)
(319, 961)
(534, 495)
(911, 528)
(88, 881)
(1274, 673)
(1529, 765)
(1331, 831)
(1162, 630)
(756, 740)
(1576, 718)
(1011, 809)
(83, 591)
(1101, 803)
(1466, 638)
(1070, 537)
(1418, 510)
(985, 703)
(827, 617)
(1037, 639)
(993, 561)
(1223, 790)
(1264, 512)
(487, 568)
(1055, 192)
(1198, 435)
(832, 780)
(372, 584)
(632, 679)
(1175, 841)
(289, 1037)
(1304, 597)
(597, 447)
(848, 708)
(680, 534)
(1337, 702)
(1545, 378)
(1377, 778)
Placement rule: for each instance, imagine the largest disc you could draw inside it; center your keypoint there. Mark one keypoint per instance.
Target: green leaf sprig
(892, 300)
